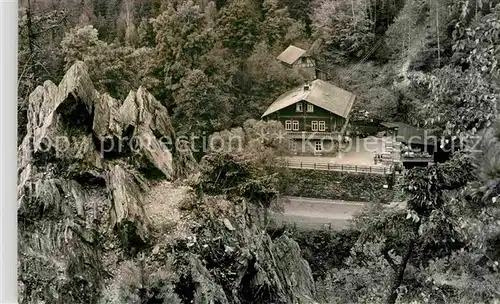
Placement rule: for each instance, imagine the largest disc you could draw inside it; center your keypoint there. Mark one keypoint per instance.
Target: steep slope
(100, 220)
(79, 176)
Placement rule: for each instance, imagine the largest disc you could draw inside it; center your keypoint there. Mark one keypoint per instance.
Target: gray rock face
(78, 179)
(62, 121)
(82, 133)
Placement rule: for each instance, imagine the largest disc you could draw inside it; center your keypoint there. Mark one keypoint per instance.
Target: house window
(298, 107)
(310, 108)
(314, 126)
(322, 126)
(318, 146)
(291, 145)
(288, 125)
(295, 125)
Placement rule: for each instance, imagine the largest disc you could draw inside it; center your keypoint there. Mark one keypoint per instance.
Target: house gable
(318, 119)
(319, 93)
(291, 110)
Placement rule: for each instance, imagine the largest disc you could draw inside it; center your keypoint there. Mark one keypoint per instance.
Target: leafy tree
(461, 102)
(202, 106)
(145, 33)
(126, 25)
(477, 45)
(115, 69)
(394, 242)
(219, 63)
(78, 43)
(182, 38)
(238, 26)
(471, 274)
(344, 26)
(300, 10)
(279, 27)
(241, 163)
(463, 98)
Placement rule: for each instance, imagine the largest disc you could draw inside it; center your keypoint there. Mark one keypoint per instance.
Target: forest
(209, 67)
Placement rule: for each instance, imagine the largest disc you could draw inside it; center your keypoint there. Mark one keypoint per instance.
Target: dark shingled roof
(321, 94)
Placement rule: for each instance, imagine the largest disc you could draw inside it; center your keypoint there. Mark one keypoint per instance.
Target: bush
(336, 185)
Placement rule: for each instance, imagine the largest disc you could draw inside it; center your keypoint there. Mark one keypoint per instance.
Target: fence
(338, 167)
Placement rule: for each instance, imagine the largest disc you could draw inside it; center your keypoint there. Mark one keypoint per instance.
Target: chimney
(307, 86)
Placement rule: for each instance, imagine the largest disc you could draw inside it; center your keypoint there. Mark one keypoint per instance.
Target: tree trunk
(30, 28)
(399, 275)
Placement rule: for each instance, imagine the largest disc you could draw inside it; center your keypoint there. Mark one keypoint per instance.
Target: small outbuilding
(297, 58)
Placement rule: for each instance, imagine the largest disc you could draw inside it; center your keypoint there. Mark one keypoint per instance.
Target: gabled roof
(321, 94)
(410, 134)
(291, 54)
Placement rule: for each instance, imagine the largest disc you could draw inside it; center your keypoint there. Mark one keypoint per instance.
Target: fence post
(342, 167)
(314, 165)
(300, 165)
(370, 169)
(356, 168)
(384, 171)
(328, 166)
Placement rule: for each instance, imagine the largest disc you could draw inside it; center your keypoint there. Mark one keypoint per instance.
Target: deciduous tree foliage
(116, 69)
(344, 26)
(242, 162)
(238, 26)
(279, 27)
(203, 107)
(182, 38)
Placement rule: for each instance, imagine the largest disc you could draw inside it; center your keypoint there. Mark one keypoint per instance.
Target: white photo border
(8, 155)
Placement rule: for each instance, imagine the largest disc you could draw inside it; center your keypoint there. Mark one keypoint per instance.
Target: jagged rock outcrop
(82, 169)
(101, 222)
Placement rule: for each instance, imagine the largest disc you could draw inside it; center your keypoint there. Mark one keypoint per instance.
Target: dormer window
(298, 107)
(310, 108)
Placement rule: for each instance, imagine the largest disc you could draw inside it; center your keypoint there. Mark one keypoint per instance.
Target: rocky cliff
(103, 217)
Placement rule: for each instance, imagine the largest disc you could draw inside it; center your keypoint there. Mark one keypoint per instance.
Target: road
(316, 213)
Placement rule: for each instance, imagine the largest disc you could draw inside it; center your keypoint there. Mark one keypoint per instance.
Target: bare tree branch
(389, 260)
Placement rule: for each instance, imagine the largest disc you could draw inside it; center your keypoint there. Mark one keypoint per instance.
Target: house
(416, 147)
(315, 116)
(299, 59)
